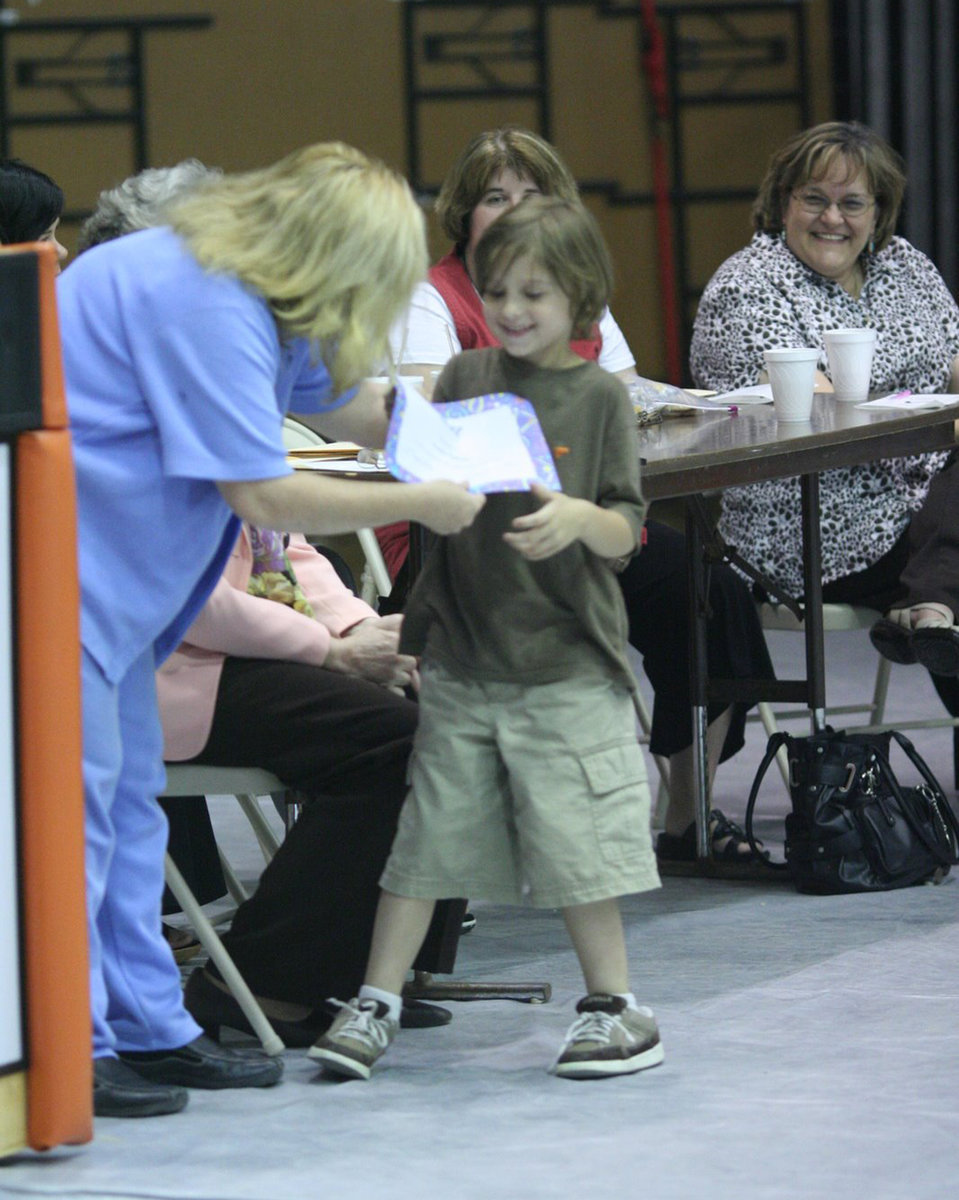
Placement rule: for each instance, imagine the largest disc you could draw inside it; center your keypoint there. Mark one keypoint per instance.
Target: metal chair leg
(269, 842)
(210, 940)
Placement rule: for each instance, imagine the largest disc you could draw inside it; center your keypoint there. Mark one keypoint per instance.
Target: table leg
(812, 595)
(698, 673)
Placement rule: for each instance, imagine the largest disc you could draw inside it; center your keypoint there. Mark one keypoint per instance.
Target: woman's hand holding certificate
(492, 443)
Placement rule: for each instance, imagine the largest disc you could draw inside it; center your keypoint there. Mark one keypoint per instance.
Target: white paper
(478, 449)
(756, 393)
(907, 401)
(333, 465)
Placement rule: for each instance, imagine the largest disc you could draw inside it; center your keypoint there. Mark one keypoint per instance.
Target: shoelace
(598, 1026)
(366, 1026)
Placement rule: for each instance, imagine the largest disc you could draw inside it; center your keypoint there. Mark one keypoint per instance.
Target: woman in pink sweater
(284, 668)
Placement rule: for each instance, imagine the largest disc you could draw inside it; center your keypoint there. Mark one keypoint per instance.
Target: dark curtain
(894, 66)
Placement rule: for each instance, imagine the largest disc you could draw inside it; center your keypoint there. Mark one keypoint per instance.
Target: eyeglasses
(815, 203)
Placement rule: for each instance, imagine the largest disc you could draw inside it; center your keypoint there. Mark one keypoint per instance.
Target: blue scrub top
(176, 378)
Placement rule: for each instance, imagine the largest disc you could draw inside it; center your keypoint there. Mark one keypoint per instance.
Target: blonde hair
(810, 155)
(510, 148)
(333, 240)
(560, 236)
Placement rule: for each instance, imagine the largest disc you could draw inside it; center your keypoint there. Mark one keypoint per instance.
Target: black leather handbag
(853, 827)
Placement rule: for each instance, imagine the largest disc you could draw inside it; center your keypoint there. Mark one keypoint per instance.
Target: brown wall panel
(267, 77)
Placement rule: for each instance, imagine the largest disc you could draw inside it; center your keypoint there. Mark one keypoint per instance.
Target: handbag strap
(772, 748)
(944, 808)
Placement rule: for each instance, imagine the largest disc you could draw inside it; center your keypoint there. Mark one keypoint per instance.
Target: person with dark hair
(30, 206)
(825, 255)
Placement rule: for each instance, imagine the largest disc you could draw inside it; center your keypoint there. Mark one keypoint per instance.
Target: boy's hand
(557, 524)
(448, 507)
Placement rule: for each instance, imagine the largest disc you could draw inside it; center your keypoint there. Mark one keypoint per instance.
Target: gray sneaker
(356, 1039)
(607, 1038)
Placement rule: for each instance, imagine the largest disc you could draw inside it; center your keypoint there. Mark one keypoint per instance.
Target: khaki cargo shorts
(524, 792)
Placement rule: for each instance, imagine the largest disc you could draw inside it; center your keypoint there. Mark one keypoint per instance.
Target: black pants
(304, 935)
(932, 570)
(902, 577)
(655, 589)
(192, 846)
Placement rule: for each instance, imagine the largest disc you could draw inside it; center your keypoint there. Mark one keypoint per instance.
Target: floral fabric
(764, 296)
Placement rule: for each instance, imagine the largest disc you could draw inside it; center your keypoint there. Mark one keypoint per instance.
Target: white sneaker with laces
(609, 1038)
(362, 1031)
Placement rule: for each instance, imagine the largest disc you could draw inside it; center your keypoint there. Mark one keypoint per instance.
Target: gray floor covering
(811, 1051)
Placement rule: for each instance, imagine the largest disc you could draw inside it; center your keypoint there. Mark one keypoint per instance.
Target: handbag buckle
(869, 782)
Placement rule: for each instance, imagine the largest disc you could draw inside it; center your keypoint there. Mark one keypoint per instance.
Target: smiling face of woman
(503, 192)
(831, 241)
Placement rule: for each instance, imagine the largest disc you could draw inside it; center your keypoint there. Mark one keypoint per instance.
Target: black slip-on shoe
(214, 1009)
(417, 1014)
(119, 1091)
(893, 641)
(936, 647)
(203, 1064)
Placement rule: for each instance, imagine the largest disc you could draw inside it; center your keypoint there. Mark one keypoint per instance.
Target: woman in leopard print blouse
(824, 257)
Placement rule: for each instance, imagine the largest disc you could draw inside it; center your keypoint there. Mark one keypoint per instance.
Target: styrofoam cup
(792, 377)
(850, 354)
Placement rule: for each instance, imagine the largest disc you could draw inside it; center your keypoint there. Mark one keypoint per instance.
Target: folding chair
(246, 784)
(841, 618)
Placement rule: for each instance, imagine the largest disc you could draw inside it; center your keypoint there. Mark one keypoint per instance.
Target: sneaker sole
(601, 1068)
(339, 1064)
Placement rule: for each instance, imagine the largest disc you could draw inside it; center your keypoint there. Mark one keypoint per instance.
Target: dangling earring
(871, 248)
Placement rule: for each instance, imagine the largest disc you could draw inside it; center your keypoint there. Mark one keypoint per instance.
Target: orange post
(59, 1080)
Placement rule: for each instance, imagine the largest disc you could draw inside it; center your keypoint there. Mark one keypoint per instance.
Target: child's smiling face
(530, 315)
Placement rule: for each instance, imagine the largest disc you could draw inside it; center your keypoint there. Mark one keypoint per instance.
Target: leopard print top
(765, 296)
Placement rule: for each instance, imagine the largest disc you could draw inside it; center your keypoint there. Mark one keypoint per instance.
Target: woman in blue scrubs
(183, 348)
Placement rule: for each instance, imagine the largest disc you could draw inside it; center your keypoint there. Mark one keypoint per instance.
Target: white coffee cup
(850, 354)
(792, 377)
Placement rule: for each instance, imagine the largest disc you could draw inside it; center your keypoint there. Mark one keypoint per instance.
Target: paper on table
(755, 393)
(906, 400)
(331, 466)
(492, 443)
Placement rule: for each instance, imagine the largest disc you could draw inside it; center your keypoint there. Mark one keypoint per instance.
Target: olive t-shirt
(480, 608)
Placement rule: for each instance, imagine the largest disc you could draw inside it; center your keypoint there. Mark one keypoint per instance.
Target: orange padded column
(49, 747)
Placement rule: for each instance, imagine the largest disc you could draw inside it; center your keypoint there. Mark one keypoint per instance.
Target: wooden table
(689, 456)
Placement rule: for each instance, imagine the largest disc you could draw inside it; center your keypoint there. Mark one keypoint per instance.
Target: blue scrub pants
(135, 986)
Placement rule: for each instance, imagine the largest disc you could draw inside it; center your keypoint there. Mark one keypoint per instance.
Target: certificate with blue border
(493, 443)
